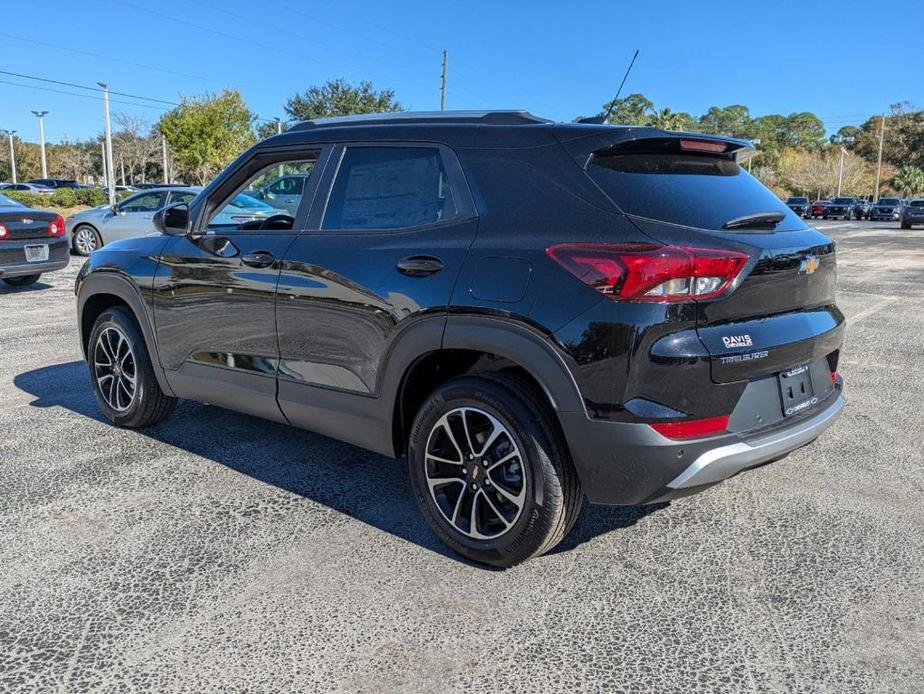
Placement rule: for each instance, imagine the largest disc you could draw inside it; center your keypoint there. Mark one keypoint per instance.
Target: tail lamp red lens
(693, 428)
(710, 146)
(650, 271)
(56, 226)
(3, 231)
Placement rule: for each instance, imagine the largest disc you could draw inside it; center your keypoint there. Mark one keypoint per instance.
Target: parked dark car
(864, 207)
(530, 312)
(55, 183)
(818, 208)
(913, 213)
(841, 208)
(801, 206)
(887, 210)
(32, 242)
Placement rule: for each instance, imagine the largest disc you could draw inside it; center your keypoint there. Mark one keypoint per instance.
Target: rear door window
(389, 188)
(697, 190)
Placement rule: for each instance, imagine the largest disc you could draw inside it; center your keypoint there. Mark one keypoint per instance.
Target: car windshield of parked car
(917, 203)
(797, 201)
(843, 201)
(695, 190)
(888, 201)
(262, 198)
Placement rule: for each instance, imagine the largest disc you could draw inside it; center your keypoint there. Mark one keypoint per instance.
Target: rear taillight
(693, 428)
(56, 227)
(650, 271)
(3, 231)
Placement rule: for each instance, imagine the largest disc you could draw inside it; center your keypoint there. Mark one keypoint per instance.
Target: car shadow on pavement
(366, 486)
(10, 289)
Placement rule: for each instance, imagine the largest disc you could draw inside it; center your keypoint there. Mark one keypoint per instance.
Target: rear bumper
(724, 462)
(32, 268)
(630, 464)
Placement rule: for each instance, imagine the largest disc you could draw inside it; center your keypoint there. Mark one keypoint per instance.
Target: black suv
(887, 210)
(843, 208)
(530, 312)
(801, 206)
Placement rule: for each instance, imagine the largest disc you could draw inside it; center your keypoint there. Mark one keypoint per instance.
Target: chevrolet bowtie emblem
(26, 220)
(808, 265)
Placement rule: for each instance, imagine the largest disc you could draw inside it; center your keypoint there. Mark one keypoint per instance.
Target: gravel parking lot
(221, 552)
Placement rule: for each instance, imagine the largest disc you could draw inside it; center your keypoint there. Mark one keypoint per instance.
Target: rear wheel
(490, 470)
(123, 377)
(86, 239)
(22, 281)
(905, 225)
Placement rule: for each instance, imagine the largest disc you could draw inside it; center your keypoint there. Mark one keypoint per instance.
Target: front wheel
(123, 377)
(490, 470)
(22, 281)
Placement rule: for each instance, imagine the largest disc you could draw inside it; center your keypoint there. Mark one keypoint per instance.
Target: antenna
(606, 116)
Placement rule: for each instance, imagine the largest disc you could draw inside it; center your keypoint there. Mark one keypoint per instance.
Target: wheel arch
(474, 344)
(101, 291)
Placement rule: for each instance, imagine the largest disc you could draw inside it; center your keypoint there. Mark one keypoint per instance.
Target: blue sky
(556, 59)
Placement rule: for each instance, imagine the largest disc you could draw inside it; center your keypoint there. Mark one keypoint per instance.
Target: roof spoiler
(643, 140)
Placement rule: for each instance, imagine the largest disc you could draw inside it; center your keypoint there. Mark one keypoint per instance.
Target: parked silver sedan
(94, 228)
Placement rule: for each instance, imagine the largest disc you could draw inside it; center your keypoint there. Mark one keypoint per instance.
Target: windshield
(917, 203)
(246, 202)
(691, 189)
(888, 201)
(843, 201)
(797, 201)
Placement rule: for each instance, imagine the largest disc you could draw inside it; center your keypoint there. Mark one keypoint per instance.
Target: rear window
(690, 189)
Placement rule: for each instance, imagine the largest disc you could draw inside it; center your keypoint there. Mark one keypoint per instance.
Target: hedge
(62, 197)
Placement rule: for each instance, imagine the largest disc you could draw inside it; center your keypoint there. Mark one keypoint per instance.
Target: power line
(114, 59)
(82, 86)
(82, 96)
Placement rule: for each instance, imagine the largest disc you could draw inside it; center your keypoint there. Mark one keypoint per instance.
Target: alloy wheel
(85, 240)
(115, 369)
(475, 473)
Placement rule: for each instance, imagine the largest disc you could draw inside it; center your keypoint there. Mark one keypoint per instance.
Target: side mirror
(173, 220)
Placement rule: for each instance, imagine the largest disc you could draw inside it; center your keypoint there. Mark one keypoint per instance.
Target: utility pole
(443, 83)
(110, 180)
(840, 175)
(879, 161)
(163, 151)
(41, 116)
(279, 132)
(12, 154)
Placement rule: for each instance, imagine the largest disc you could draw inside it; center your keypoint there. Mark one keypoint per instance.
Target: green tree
(733, 121)
(206, 133)
(909, 180)
(671, 120)
(802, 130)
(634, 109)
(339, 98)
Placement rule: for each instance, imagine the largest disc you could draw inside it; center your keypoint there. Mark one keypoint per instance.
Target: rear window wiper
(758, 219)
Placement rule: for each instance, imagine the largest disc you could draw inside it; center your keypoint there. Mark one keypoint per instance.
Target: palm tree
(909, 180)
(667, 120)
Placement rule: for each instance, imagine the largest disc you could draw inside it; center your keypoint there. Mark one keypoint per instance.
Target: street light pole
(840, 175)
(41, 116)
(12, 154)
(163, 152)
(879, 161)
(110, 179)
(443, 82)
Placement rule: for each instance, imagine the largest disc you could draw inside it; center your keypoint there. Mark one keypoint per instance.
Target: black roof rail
(424, 117)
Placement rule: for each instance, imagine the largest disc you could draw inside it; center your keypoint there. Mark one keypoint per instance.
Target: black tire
(93, 239)
(22, 280)
(148, 404)
(548, 484)
(905, 226)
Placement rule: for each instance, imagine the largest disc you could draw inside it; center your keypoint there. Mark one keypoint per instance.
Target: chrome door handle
(258, 259)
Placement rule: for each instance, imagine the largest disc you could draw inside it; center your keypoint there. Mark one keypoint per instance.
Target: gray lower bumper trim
(721, 463)
(33, 268)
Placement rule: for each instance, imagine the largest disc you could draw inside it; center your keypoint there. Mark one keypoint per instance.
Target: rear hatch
(690, 190)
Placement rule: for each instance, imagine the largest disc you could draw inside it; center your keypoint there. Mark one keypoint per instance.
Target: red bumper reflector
(692, 429)
(834, 377)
